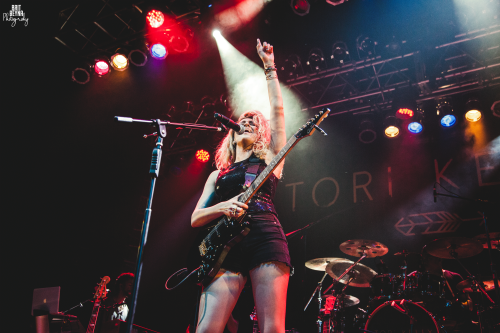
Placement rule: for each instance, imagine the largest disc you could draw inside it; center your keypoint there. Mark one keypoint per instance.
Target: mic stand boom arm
(154, 171)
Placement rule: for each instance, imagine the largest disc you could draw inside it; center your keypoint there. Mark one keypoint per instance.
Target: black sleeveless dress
(266, 240)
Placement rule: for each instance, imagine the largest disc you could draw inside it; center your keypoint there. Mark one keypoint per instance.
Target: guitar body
(212, 247)
(217, 239)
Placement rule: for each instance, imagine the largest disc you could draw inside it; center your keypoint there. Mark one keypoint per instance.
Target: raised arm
(277, 114)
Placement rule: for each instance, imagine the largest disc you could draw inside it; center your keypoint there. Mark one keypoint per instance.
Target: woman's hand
(265, 52)
(233, 208)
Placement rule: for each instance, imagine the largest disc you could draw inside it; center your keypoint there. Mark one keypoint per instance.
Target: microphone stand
(154, 171)
(488, 239)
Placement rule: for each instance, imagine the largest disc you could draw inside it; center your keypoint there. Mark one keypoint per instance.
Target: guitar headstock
(100, 290)
(309, 127)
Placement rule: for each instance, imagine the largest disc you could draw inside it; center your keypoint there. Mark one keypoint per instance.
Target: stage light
(138, 57)
(335, 2)
(101, 66)
(155, 18)
(292, 66)
(391, 127)
(178, 43)
(316, 60)
(158, 51)
(415, 127)
(445, 111)
(473, 115)
(340, 53)
(119, 60)
(404, 113)
(448, 120)
(81, 74)
(394, 46)
(202, 155)
(221, 105)
(365, 46)
(472, 112)
(300, 7)
(495, 108)
(216, 33)
(367, 132)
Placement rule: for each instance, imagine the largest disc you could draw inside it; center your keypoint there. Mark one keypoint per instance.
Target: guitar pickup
(202, 248)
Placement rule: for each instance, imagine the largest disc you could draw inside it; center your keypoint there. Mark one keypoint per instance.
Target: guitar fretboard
(267, 171)
(93, 317)
(247, 195)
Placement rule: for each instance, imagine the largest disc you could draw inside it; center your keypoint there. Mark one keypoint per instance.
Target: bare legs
(218, 300)
(269, 284)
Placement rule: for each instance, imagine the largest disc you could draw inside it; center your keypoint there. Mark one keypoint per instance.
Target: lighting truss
(95, 26)
(468, 62)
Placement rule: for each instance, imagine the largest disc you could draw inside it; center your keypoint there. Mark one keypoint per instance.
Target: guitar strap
(252, 171)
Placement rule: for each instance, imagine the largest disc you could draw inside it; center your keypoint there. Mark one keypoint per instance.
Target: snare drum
(395, 316)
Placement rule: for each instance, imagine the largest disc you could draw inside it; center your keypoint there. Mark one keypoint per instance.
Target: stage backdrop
(381, 191)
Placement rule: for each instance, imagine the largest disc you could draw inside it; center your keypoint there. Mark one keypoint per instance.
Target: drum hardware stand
(154, 171)
(482, 203)
(475, 285)
(335, 281)
(346, 272)
(405, 272)
(320, 299)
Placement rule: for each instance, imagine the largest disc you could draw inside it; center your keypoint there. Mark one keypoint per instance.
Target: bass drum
(395, 317)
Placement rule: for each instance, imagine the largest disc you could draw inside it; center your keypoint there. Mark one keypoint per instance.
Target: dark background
(76, 182)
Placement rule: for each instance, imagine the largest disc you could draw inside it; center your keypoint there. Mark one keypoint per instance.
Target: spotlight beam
(246, 82)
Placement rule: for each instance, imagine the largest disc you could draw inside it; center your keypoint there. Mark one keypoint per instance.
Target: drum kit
(415, 302)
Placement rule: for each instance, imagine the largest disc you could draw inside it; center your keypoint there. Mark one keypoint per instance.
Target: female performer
(263, 254)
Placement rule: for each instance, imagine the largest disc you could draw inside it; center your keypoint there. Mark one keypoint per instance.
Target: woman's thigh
(218, 300)
(270, 284)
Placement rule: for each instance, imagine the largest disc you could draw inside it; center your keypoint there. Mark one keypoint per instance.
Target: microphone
(435, 194)
(240, 129)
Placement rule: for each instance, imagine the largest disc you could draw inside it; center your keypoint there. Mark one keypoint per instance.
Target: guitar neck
(266, 173)
(93, 318)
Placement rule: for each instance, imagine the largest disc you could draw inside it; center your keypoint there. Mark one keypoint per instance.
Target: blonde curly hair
(226, 151)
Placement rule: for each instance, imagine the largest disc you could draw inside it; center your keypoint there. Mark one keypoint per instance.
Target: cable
(177, 273)
(444, 188)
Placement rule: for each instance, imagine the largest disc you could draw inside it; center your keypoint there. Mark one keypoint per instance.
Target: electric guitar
(225, 233)
(100, 294)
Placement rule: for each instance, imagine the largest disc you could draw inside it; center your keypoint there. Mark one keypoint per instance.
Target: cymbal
(319, 264)
(362, 274)
(494, 237)
(462, 247)
(466, 285)
(356, 248)
(348, 299)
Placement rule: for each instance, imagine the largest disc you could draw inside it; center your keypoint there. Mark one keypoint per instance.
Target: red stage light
(155, 18)
(202, 155)
(404, 113)
(101, 67)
